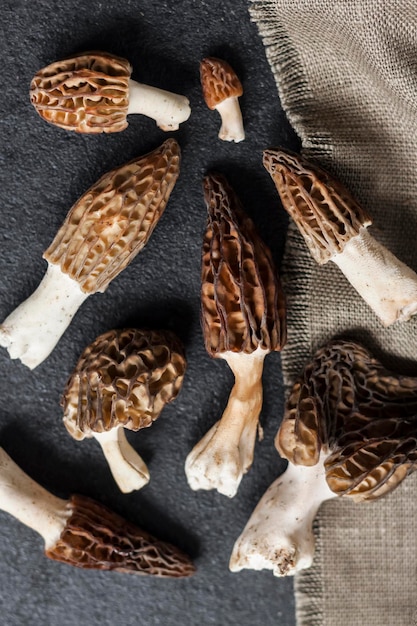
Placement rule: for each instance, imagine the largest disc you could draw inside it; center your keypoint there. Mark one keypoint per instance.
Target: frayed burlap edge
(294, 95)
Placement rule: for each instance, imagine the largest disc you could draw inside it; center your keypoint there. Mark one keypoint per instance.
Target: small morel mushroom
(123, 380)
(243, 319)
(93, 93)
(334, 227)
(350, 429)
(102, 233)
(84, 533)
(221, 90)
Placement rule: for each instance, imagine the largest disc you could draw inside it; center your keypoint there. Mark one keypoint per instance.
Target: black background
(43, 172)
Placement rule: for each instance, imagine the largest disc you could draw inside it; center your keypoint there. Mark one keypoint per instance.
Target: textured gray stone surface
(43, 171)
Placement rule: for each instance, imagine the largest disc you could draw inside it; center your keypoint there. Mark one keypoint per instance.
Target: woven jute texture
(346, 73)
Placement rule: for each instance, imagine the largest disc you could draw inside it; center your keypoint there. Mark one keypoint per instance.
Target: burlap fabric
(346, 73)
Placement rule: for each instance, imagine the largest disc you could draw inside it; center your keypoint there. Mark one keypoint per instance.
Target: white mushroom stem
(232, 122)
(386, 284)
(30, 503)
(31, 331)
(128, 469)
(279, 533)
(225, 453)
(168, 109)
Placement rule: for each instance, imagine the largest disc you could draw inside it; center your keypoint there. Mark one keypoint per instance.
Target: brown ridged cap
(325, 212)
(124, 378)
(218, 81)
(113, 220)
(88, 93)
(95, 537)
(242, 303)
(348, 405)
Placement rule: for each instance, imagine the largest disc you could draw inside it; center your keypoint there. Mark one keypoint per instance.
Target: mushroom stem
(33, 329)
(386, 284)
(225, 453)
(168, 109)
(232, 122)
(30, 503)
(128, 469)
(279, 534)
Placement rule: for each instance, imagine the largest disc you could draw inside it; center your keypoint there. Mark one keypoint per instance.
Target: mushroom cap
(218, 81)
(111, 223)
(363, 416)
(124, 378)
(325, 212)
(88, 93)
(95, 537)
(242, 303)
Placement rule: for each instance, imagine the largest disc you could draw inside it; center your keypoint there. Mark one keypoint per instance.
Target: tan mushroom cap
(113, 220)
(124, 378)
(242, 303)
(95, 537)
(218, 81)
(88, 93)
(325, 212)
(348, 405)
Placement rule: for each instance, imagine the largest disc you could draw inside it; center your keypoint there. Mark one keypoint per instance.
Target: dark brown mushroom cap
(325, 212)
(218, 81)
(242, 303)
(97, 538)
(113, 220)
(346, 404)
(88, 93)
(124, 378)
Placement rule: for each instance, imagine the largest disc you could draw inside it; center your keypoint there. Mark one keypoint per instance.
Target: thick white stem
(31, 331)
(279, 534)
(30, 503)
(168, 109)
(128, 469)
(232, 122)
(225, 453)
(386, 284)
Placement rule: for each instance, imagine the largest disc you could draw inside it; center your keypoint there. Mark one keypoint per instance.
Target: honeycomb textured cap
(88, 93)
(325, 212)
(348, 405)
(242, 303)
(95, 537)
(124, 378)
(111, 223)
(218, 81)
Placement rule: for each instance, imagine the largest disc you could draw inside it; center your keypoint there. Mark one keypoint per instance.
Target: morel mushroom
(93, 93)
(123, 380)
(334, 227)
(243, 319)
(84, 533)
(102, 233)
(221, 90)
(350, 429)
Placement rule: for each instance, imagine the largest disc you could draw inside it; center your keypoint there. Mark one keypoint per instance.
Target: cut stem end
(127, 467)
(386, 284)
(225, 453)
(279, 533)
(33, 329)
(232, 122)
(168, 109)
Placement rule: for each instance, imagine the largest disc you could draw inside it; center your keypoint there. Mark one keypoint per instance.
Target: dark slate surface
(43, 171)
